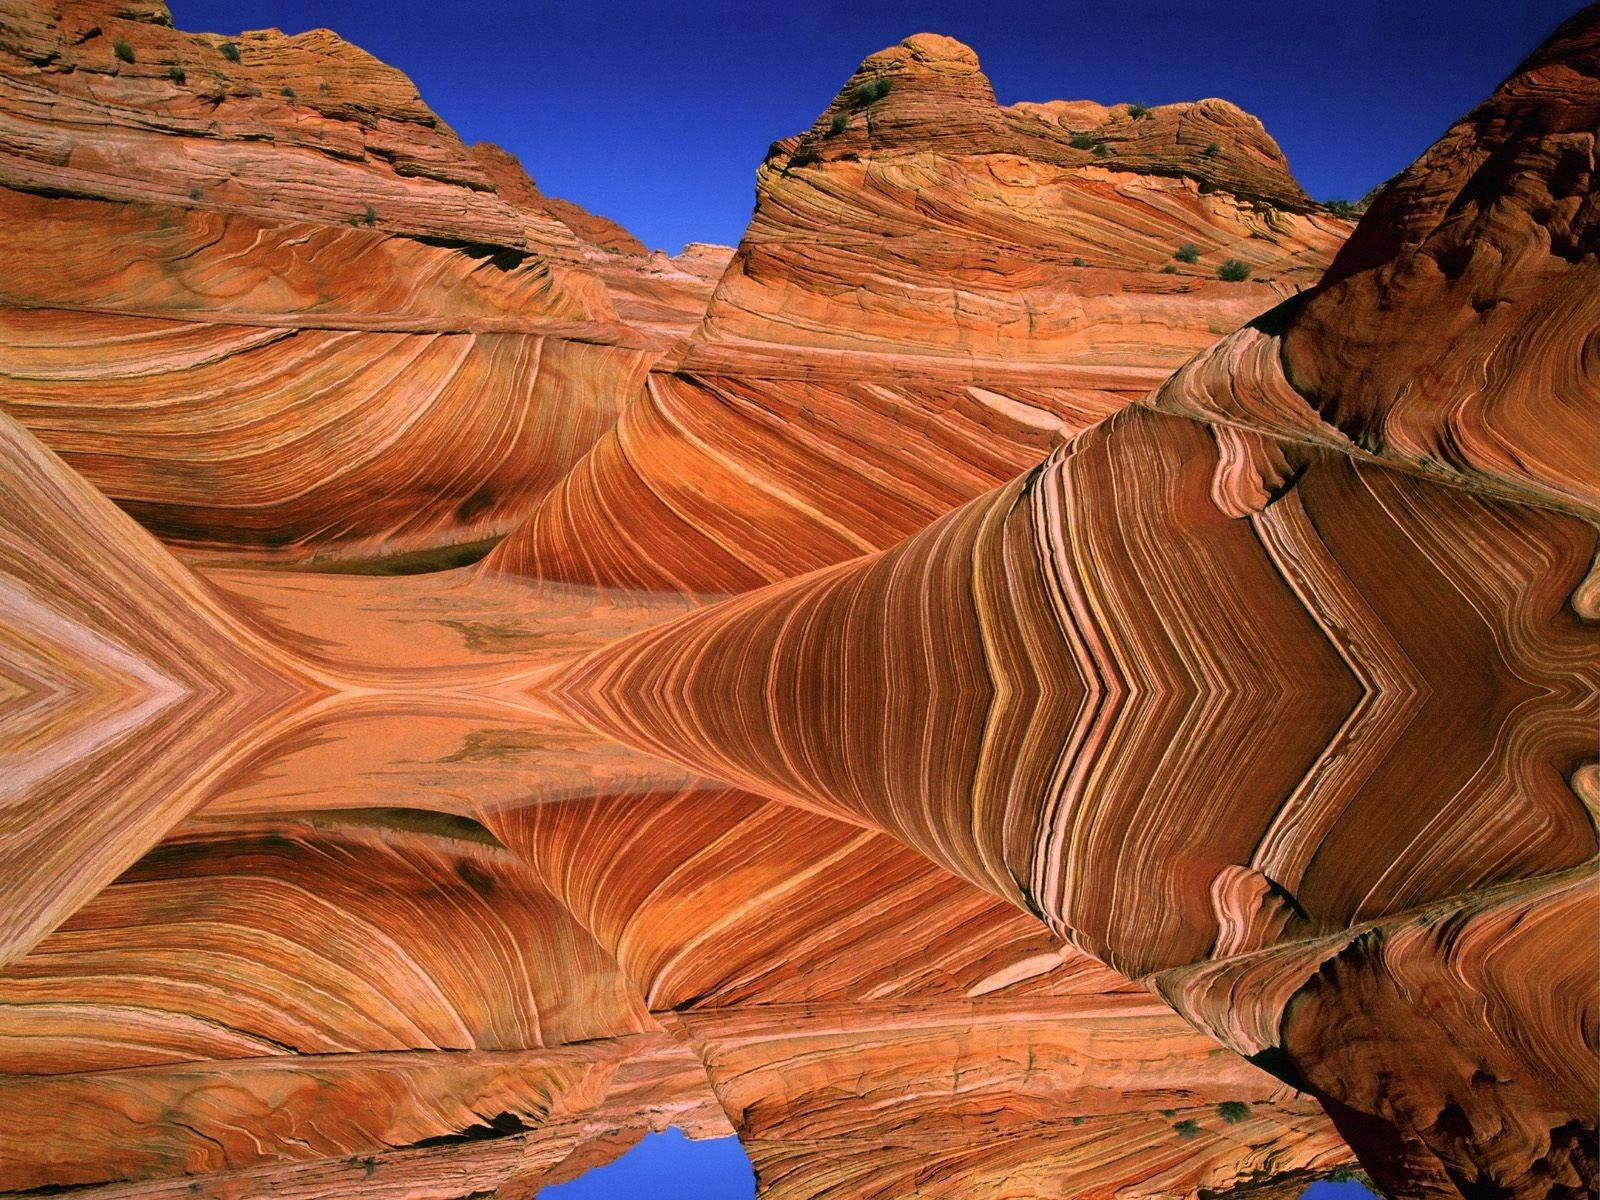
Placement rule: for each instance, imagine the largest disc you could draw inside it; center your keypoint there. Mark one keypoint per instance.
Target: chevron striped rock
(408, 929)
(1332, 702)
(966, 722)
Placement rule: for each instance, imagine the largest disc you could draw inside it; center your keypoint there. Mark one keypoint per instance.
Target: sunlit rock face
(933, 292)
(1101, 781)
(1253, 653)
(262, 297)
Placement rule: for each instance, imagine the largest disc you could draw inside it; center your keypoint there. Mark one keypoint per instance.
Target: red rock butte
(955, 690)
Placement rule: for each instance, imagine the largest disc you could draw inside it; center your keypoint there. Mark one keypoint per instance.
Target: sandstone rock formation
(1367, 678)
(1104, 782)
(263, 298)
(932, 292)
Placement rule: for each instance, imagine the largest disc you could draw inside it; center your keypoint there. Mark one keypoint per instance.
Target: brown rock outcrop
(1488, 244)
(932, 292)
(321, 327)
(1332, 703)
(1096, 787)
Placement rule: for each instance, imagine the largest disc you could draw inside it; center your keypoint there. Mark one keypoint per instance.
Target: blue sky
(668, 1166)
(656, 114)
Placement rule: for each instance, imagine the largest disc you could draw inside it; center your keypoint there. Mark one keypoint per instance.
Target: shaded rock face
(1099, 781)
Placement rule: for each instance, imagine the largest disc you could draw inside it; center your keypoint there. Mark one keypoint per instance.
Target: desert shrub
(1341, 208)
(1082, 141)
(1187, 253)
(1340, 1175)
(176, 74)
(837, 125)
(1078, 262)
(1233, 271)
(1233, 1111)
(122, 50)
(1212, 150)
(875, 89)
(287, 93)
(195, 193)
(1101, 150)
(229, 51)
(1138, 111)
(1169, 269)
(1186, 1129)
(369, 216)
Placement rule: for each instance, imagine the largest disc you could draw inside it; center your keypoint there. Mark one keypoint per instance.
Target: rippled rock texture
(934, 290)
(966, 709)
(263, 298)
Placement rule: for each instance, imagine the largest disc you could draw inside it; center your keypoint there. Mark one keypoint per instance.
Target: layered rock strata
(263, 298)
(1099, 786)
(1366, 678)
(933, 291)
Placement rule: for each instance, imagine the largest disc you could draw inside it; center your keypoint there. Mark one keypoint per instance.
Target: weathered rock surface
(928, 297)
(1487, 246)
(321, 326)
(1366, 681)
(1097, 787)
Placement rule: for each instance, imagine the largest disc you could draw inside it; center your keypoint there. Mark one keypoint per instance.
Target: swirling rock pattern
(282, 992)
(933, 291)
(271, 366)
(1030, 690)
(1074, 784)
(1489, 243)
(874, 1026)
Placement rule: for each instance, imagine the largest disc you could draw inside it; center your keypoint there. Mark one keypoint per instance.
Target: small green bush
(1100, 150)
(875, 89)
(176, 74)
(1212, 150)
(369, 215)
(837, 125)
(195, 193)
(1233, 1111)
(1082, 141)
(1341, 208)
(287, 93)
(122, 50)
(1078, 262)
(229, 51)
(1340, 1175)
(1187, 253)
(1138, 111)
(1169, 1112)
(1169, 269)
(1186, 1129)
(1233, 271)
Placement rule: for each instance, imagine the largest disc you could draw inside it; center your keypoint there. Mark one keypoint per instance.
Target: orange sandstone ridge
(346, 335)
(933, 291)
(1147, 750)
